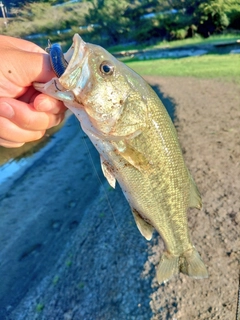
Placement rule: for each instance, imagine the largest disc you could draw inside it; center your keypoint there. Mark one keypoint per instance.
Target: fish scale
(138, 147)
(160, 195)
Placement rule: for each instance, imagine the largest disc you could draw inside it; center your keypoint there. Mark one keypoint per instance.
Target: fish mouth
(67, 86)
(74, 57)
(72, 52)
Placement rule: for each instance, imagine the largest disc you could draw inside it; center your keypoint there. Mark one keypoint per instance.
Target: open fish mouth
(59, 60)
(74, 58)
(73, 52)
(68, 69)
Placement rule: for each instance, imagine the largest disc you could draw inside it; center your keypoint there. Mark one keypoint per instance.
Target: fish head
(100, 90)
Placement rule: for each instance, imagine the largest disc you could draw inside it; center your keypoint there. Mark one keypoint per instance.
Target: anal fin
(144, 227)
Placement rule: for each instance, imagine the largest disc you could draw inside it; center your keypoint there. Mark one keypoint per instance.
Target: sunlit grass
(178, 43)
(199, 40)
(208, 66)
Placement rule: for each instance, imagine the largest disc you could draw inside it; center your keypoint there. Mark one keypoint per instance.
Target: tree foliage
(212, 17)
(116, 19)
(109, 15)
(232, 9)
(119, 21)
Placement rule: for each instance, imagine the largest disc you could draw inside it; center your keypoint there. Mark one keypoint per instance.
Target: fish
(138, 146)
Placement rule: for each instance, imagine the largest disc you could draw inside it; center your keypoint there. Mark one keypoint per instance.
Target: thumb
(24, 60)
(24, 63)
(22, 68)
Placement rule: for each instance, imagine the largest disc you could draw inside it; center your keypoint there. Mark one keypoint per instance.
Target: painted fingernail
(6, 110)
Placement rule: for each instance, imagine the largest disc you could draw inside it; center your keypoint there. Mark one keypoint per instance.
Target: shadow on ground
(69, 247)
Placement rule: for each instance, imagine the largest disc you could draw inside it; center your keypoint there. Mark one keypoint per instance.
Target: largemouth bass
(138, 146)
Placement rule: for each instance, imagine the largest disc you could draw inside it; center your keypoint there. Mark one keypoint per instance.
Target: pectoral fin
(133, 156)
(144, 227)
(107, 172)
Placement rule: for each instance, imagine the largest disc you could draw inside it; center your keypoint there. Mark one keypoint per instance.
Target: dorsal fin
(195, 200)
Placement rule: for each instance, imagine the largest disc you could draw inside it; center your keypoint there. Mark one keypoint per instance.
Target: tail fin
(192, 265)
(168, 267)
(189, 263)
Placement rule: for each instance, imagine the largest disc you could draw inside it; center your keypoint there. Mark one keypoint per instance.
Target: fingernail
(6, 110)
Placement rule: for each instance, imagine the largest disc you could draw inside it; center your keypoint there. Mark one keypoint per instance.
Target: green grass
(225, 67)
(122, 47)
(199, 40)
(178, 43)
(81, 285)
(55, 279)
(39, 307)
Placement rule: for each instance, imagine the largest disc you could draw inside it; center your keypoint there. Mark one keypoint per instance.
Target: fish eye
(106, 68)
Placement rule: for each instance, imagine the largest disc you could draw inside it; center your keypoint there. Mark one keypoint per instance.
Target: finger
(21, 69)
(42, 102)
(11, 132)
(9, 144)
(45, 103)
(29, 95)
(20, 44)
(26, 117)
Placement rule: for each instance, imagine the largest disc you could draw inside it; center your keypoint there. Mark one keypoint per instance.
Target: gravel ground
(69, 247)
(207, 121)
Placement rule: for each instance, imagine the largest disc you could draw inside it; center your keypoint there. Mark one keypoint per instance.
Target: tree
(233, 13)
(212, 17)
(117, 20)
(205, 16)
(109, 16)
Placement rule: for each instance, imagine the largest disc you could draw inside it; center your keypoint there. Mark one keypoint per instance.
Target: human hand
(25, 114)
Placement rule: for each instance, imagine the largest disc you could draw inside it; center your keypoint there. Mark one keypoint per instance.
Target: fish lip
(74, 57)
(72, 52)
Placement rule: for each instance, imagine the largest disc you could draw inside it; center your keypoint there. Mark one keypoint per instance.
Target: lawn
(199, 40)
(178, 43)
(226, 66)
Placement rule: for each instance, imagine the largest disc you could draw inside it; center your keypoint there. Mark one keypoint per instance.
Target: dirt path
(208, 123)
(70, 250)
